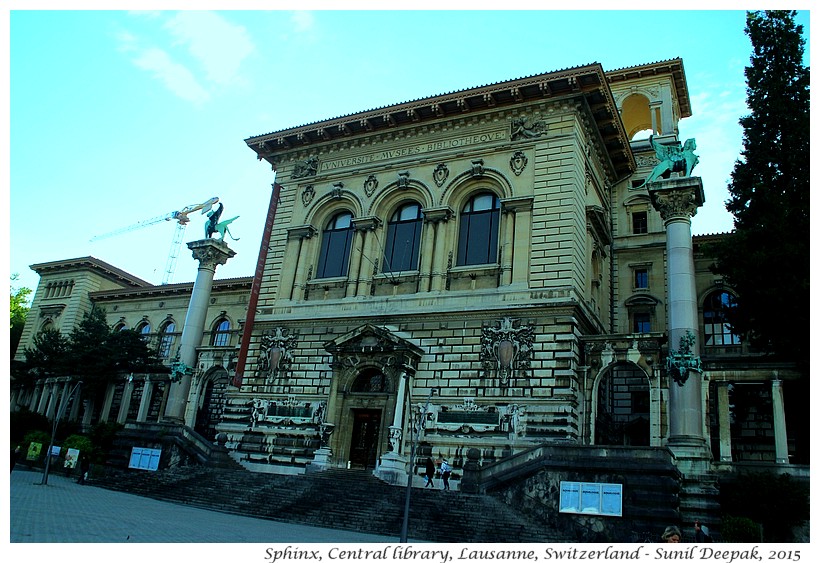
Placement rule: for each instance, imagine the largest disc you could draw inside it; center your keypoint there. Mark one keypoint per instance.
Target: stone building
(482, 274)
(70, 288)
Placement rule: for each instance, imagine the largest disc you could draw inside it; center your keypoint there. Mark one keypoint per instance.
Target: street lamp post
(406, 518)
(57, 418)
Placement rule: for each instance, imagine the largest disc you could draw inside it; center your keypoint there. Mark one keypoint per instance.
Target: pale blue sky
(117, 116)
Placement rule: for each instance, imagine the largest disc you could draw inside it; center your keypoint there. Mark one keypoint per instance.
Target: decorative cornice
(587, 82)
(90, 263)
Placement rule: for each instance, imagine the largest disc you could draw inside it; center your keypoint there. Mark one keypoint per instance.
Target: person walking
(429, 472)
(15, 454)
(445, 475)
(671, 535)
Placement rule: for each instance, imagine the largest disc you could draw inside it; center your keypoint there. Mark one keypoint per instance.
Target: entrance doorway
(364, 441)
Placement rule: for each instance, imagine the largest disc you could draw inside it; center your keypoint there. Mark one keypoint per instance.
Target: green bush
(82, 443)
(739, 529)
(777, 502)
(102, 437)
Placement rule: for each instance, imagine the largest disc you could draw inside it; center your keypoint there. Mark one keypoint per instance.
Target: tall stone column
(145, 400)
(393, 467)
(125, 403)
(519, 216)
(677, 200)
(724, 421)
(781, 447)
(210, 253)
(438, 218)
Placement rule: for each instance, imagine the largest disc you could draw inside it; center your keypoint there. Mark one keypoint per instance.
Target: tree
(98, 355)
(48, 356)
(19, 309)
(92, 353)
(766, 258)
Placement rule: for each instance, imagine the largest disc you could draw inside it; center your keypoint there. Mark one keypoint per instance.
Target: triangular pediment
(371, 339)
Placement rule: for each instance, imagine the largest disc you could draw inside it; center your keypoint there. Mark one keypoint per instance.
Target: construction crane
(182, 219)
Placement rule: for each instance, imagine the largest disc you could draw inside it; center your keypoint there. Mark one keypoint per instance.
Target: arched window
(370, 380)
(166, 342)
(478, 230)
(337, 239)
(119, 326)
(144, 330)
(401, 250)
(623, 410)
(221, 333)
(716, 330)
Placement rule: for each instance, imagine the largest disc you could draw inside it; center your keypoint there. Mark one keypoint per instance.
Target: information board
(144, 458)
(604, 499)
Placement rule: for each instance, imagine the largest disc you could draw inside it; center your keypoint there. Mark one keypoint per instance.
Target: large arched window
(221, 334)
(716, 330)
(144, 330)
(623, 409)
(337, 239)
(401, 250)
(478, 230)
(167, 337)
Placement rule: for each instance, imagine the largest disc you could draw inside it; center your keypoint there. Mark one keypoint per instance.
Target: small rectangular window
(640, 323)
(641, 279)
(639, 223)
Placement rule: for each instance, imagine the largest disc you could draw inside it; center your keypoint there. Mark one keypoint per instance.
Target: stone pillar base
(392, 469)
(321, 461)
(692, 459)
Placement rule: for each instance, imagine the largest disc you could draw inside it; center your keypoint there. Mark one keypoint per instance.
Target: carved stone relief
(307, 194)
(276, 353)
(306, 168)
(521, 128)
(440, 174)
(518, 162)
(506, 350)
(370, 185)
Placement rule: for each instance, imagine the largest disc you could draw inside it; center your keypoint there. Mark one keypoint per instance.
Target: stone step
(343, 499)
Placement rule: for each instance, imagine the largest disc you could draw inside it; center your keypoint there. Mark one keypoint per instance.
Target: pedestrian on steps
(429, 472)
(445, 475)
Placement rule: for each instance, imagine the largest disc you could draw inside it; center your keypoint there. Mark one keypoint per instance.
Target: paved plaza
(65, 512)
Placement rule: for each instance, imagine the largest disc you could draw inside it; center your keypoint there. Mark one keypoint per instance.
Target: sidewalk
(65, 512)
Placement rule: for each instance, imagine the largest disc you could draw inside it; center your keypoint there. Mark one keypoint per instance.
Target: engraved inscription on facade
(412, 150)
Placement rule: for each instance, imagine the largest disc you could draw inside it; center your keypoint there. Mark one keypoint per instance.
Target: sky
(116, 117)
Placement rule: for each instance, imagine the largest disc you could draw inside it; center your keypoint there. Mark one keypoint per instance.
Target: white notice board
(604, 499)
(144, 458)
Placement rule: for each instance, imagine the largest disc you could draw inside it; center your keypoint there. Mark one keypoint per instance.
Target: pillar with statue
(210, 253)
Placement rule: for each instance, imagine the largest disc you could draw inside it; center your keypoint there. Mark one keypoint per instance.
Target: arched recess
(392, 196)
(367, 393)
(389, 203)
(331, 203)
(210, 401)
(636, 114)
(459, 190)
(623, 410)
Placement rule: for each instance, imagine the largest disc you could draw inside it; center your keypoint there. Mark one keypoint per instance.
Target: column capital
(302, 232)
(515, 204)
(677, 198)
(437, 214)
(211, 253)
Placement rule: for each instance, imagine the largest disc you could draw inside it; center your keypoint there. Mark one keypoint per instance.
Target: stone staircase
(338, 498)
